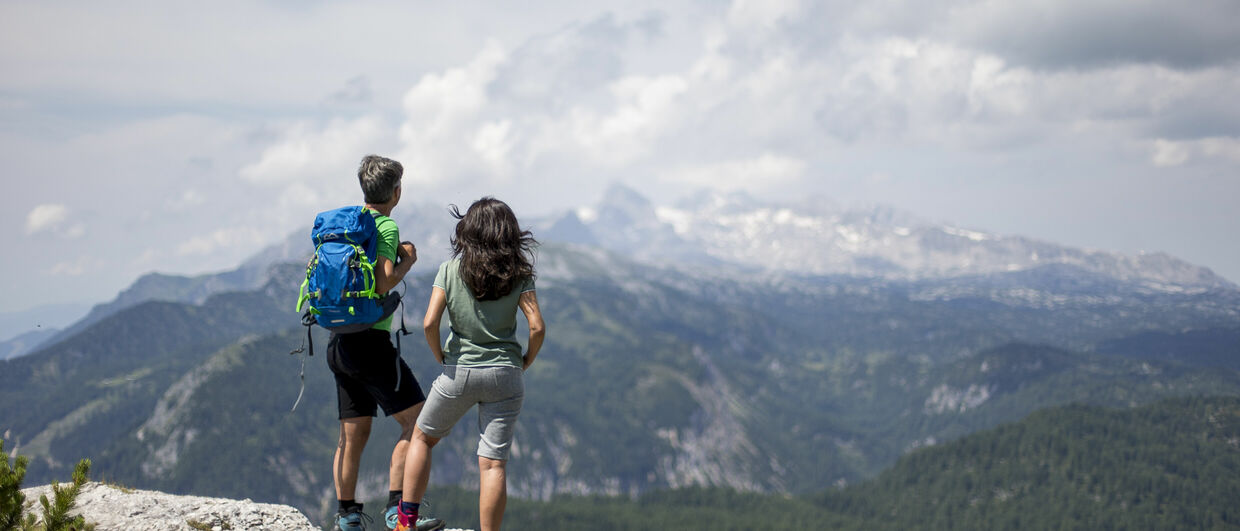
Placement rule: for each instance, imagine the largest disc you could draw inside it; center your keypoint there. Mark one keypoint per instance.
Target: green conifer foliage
(56, 511)
(11, 497)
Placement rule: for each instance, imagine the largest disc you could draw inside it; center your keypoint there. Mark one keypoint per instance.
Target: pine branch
(56, 514)
(11, 497)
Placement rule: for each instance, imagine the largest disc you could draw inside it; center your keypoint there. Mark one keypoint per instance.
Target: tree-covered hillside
(1170, 465)
(83, 394)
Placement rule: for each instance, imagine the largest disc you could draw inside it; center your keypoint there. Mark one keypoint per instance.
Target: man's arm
(388, 274)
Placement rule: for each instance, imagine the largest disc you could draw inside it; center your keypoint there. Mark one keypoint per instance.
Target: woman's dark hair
(495, 253)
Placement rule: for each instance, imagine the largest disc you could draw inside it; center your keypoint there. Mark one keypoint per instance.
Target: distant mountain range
(735, 236)
(652, 378)
(26, 342)
(22, 332)
(817, 237)
(678, 355)
(736, 233)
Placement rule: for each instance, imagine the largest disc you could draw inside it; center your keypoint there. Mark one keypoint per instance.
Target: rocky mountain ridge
(818, 237)
(733, 235)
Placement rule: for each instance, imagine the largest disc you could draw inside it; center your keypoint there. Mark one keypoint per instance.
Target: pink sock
(406, 519)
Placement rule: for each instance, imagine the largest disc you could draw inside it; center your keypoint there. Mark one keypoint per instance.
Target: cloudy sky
(139, 136)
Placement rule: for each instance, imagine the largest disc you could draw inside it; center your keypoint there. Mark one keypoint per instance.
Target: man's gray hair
(379, 177)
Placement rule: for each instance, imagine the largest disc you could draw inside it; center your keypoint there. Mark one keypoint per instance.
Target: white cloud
(147, 257)
(45, 216)
(439, 102)
(761, 14)
(754, 174)
(1168, 153)
(513, 110)
(996, 90)
(493, 141)
(307, 150)
(264, 54)
(72, 268)
(214, 241)
(644, 108)
(443, 132)
(189, 198)
(1225, 147)
(1070, 34)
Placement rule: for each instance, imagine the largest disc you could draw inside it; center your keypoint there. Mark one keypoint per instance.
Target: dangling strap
(402, 332)
(303, 385)
(308, 321)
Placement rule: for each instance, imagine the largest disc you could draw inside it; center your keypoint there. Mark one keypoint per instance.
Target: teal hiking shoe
(392, 517)
(424, 523)
(352, 520)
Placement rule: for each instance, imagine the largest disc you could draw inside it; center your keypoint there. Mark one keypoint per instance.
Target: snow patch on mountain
(817, 237)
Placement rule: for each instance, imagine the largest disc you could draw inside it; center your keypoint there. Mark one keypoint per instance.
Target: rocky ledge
(118, 508)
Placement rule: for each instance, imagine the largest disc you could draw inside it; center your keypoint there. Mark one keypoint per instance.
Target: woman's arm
(430, 324)
(529, 306)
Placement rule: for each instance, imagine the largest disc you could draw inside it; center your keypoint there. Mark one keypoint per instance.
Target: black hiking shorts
(366, 366)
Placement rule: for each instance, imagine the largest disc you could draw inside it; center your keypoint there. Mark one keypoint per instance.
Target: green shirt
(483, 333)
(389, 240)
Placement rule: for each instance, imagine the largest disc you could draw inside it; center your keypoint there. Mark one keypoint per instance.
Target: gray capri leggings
(498, 392)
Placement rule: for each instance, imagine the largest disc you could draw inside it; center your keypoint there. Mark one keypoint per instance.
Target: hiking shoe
(392, 517)
(352, 520)
(424, 523)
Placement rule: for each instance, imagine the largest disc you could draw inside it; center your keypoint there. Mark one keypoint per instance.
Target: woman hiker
(490, 276)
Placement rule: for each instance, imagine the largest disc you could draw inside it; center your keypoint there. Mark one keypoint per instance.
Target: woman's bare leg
(492, 493)
(417, 466)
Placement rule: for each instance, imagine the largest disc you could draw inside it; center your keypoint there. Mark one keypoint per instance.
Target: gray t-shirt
(483, 333)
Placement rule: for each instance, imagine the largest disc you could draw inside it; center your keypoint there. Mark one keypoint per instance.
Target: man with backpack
(369, 371)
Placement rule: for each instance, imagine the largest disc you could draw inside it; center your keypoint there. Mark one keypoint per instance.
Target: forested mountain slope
(652, 378)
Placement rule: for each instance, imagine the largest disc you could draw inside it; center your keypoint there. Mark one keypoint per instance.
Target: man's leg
(407, 419)
(492, 493)
(354, 432)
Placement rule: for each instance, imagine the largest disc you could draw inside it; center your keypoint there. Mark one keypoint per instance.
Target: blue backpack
(340, 281)
(340, 278)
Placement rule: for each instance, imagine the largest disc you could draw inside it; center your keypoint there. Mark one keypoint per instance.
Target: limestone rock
(117, 508)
